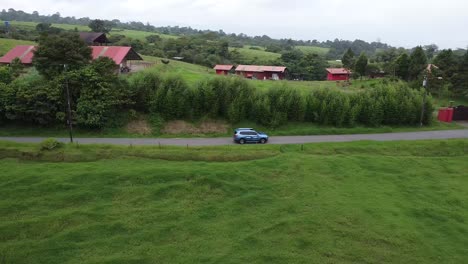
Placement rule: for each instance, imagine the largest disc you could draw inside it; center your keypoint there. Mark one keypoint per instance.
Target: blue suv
(249, 135)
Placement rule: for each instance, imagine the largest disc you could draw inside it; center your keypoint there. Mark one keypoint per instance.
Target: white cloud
(398, 22)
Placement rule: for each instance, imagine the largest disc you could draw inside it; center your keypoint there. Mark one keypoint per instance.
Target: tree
(98, 25)
(43, 27)
(460, 79)
(55, 51)
(153, 38)
(361, 64)
(348, 59)
(314, 67)
(402, 66)
(431, 50)
(447, 63)
(418, 62)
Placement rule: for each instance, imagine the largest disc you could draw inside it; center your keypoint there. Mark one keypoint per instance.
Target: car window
(244, 133)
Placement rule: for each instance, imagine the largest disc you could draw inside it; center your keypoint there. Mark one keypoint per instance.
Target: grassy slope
(313, 49)
(7, 44)
(332, 203)
(261, 55)
(129, 33)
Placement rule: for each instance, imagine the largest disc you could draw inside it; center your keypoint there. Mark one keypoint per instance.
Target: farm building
(120, 55)
(223, 69)
(262, 72)
(338, 74)
(94, 38)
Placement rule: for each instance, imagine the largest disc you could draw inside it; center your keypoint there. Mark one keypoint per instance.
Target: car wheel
(263, 141)
(242, 141)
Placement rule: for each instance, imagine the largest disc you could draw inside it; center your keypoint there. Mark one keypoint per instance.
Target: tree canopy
(361, 64)
(418, 62)
(55, 51)
(348, 59)
(98, 25)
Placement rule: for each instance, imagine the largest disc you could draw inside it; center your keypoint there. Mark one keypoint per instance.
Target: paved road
(446, 134)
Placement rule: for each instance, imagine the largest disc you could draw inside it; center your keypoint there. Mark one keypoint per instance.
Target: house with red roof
(120, 55)
(262, 72)
(338, 74)
(223, 69)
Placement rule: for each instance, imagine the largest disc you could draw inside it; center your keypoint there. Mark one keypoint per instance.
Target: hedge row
(235, 100)
(97, 97)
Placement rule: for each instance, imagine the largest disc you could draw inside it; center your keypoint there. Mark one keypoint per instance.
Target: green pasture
(361, 202)
(7, 44)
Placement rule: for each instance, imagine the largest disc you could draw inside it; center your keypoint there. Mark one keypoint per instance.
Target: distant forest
(337, 47)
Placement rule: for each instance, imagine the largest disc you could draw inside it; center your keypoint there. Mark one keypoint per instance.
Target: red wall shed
(338, 74)
(223, 69)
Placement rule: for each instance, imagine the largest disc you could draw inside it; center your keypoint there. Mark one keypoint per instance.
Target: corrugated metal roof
(24, 52)
(116, 53)
(258, 68)
(223, 67)
(338, 71)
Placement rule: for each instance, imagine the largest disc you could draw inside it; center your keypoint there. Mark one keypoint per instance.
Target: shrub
(50, 144)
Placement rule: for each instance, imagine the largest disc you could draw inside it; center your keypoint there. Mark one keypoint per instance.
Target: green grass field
(361, 202)
(7, 44)
(313, 49)
(261, 55)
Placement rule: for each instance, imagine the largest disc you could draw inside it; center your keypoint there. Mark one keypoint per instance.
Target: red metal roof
(257, 68)
(338, 71)
(116, 53)
(25, 53)
(223, 67)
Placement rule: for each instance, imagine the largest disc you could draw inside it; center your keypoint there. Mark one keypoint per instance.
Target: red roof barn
(338, 74)
(24, 53)
(119, 55)
(223, 69)
(262, 72)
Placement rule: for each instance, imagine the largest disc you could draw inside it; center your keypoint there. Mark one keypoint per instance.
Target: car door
(254, 137)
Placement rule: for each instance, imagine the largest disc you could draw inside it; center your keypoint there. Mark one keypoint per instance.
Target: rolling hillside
(259, 55)
(312, 49)
(129, 33)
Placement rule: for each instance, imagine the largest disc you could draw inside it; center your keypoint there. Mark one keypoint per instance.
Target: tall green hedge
(235, 99)
(96, 97)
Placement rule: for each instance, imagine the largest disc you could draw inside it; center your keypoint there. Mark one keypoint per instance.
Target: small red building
(338, 74)
(262, 72)
(223, 69)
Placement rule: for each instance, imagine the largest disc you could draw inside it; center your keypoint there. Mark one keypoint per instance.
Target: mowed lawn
(361, 202)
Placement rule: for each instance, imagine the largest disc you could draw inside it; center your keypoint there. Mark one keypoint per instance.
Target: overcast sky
(404, 23)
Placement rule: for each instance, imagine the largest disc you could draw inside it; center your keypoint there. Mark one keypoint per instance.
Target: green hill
(312, 49)
(129, 33)
(258, 56)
